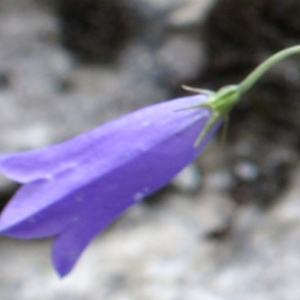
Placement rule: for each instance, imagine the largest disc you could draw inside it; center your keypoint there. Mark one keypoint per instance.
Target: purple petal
(68, 245)
(46, 162)
(77, 188)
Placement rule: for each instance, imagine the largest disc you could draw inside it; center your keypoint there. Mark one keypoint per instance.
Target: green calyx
(223, 100)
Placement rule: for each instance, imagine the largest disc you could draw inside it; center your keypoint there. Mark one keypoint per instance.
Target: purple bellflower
(74, 190)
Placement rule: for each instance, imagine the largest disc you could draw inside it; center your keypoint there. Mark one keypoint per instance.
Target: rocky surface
(157, 251)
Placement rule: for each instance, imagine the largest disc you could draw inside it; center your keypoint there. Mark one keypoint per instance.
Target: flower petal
(68, 245)
(44, 163)
(106, 171)
(33, 212)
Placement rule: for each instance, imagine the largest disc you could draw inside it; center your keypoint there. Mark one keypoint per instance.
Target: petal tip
(62, 266)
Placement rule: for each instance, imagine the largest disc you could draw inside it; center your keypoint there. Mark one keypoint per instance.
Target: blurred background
(228, 226)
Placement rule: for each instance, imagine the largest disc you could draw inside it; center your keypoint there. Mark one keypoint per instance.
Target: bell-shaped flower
(74, 190)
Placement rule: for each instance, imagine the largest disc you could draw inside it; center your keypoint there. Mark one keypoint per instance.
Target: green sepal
(219, 103)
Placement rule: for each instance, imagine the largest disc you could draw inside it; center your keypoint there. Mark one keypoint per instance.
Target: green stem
(223, 100)
(250, 80)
